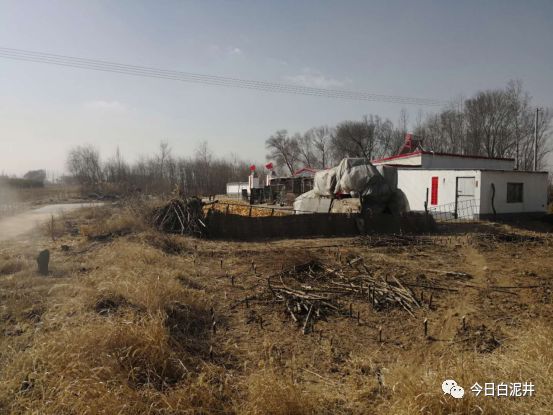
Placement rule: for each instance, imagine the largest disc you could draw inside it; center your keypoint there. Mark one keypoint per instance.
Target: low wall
(223, 226)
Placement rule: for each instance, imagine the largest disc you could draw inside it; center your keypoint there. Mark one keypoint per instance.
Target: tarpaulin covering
(356, 177)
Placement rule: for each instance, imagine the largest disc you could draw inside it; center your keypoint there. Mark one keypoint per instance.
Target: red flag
(252, 167)
(269, 166)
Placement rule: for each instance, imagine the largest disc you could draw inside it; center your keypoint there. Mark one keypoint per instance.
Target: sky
(428, 49)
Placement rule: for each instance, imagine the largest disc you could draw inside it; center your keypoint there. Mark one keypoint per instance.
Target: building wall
(431, 161)
(414, 182)
(413, 160)
(534, 192)
(236, 188)
(440, 161)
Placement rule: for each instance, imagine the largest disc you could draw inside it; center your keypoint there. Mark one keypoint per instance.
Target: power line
(150, 72)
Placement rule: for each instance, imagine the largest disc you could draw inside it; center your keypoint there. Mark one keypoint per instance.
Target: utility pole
(536, 140)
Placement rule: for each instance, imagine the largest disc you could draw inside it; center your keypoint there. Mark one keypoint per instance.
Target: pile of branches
(396, 240)
(183, 216)
(313, 291)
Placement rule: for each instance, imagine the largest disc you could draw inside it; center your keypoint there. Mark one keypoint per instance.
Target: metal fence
(462, 210)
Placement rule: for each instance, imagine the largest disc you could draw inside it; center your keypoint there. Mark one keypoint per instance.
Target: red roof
(305, 169)
(435, 153)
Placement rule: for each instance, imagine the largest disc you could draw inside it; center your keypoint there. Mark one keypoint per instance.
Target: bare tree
(545, 133)
(489, 123)
(283, 150)
(321, 137)
(162, 157)
(83, 162)
(116, 170)
(354, 139)
(306, 153)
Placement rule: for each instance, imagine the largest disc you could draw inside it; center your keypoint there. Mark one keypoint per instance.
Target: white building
(467, 186)
(235, 188)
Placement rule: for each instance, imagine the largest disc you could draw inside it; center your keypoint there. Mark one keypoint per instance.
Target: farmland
(131, 320)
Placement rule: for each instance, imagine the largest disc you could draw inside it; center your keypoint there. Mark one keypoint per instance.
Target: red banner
(269, 166)
(434, 191)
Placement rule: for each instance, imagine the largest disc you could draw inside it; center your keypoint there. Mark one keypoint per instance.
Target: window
(514, 192)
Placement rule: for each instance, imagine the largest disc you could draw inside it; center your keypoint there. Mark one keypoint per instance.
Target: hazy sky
(430, 49)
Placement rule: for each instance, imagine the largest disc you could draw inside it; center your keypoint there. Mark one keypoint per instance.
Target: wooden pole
(425, 327)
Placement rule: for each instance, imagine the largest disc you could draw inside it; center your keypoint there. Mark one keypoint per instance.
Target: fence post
(426, 202)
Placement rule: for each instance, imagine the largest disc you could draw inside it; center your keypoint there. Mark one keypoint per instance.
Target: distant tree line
(493, 123)
(31, 179)
(160, 173)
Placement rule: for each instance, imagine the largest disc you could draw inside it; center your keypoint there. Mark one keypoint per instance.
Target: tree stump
(43, 259)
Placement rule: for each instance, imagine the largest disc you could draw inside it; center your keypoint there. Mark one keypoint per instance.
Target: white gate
(465, 190)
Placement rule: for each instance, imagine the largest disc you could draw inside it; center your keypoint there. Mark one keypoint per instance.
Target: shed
(469, 187)
(235, 188)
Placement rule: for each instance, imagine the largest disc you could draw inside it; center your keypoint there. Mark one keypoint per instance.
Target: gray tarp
(359, 178)
(355, 175)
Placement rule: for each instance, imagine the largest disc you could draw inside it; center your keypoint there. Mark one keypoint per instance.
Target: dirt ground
(484, 289)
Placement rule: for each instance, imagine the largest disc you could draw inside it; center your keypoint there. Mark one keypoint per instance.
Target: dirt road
(14, 226)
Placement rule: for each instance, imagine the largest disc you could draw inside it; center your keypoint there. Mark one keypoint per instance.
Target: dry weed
(271, 393)
(11, 266)
(416, 388)
(111, 366)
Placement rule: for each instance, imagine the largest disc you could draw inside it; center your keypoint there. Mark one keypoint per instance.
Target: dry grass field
(132, 321)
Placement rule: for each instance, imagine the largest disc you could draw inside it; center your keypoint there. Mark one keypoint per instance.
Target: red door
(434, 191)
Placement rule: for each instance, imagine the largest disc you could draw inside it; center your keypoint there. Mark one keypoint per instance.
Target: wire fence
(462, 210)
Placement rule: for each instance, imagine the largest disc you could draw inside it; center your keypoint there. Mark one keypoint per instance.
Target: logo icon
(450, 387)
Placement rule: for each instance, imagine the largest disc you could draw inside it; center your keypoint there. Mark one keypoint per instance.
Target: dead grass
(271, 393)
(125, 326)
(110, 366)
(11, 266)
(55, 228)
(417, 386)
(104, 223)
(124, 339)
